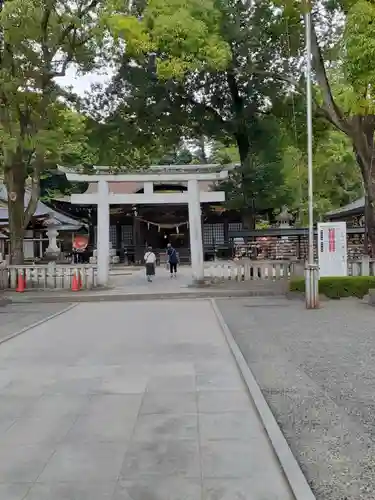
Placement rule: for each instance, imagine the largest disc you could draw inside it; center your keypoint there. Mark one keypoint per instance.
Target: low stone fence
(361, 267)
(48, 276)
(246, 269)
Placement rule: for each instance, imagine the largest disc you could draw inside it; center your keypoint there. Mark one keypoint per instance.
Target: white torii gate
(193, 198)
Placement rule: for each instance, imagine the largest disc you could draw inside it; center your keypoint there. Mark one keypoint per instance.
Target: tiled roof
(351, 207)
(42, 210)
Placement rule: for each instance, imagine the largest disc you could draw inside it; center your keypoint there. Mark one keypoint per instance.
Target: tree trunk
(15, 182)
(368, 174)
(248, 211)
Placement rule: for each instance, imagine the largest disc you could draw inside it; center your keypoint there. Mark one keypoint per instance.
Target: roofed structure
(42, 211)
(357, 207)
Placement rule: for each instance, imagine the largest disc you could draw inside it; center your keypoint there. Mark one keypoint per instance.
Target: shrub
(340, 286)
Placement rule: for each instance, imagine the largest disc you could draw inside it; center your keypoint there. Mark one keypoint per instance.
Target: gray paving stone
(172, 383)
(50, 406)
(223, 401)
(30, 431)
(84, 462)
(123, 405)
(14, 317)
(162, 458)
(235, 425)
(5, 378)
(237, 459)
(14, 491)
(245, 489)
(23, 464)
(159, 489)
(220, 381)
(12, 407)
(169, 402)
(127, 399)
(125, 384)
(109, 427)
(30, 386)
(78, 386)
(169, 426)
(92, 490)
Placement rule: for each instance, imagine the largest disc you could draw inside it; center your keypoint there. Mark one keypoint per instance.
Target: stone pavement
(131, 401)
(136, 282)
(316, 370)
(15, 317)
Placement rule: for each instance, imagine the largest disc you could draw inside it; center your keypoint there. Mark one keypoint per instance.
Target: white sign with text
(332, 251)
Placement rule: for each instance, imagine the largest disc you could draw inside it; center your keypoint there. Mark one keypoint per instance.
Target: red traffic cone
(20, 283)
(75, 287)
(79, 280)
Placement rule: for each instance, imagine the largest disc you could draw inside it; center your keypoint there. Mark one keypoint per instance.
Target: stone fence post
(365, 265)
(298, 269)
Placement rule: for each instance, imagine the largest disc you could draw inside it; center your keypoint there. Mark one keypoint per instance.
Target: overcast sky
(82, 84)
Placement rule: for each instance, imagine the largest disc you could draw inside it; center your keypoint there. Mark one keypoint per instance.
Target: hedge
(340, 286)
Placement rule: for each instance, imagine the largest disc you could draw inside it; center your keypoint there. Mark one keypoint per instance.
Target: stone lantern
(284, 218)
(284, 247)
(53, 252)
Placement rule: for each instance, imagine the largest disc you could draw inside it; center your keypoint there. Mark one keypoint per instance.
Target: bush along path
(338, 287)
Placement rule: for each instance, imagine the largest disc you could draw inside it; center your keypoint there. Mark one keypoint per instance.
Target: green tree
(40, 39)
(73, 149)
(258, 183)
(337, 177)
(184, 35)
(343, 53)
(196, 91)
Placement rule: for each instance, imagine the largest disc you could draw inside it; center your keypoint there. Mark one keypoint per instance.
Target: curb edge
(37, 323)
(292, 471)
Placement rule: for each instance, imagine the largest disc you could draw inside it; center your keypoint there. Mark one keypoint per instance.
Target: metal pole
(309, 138)
(311, 269)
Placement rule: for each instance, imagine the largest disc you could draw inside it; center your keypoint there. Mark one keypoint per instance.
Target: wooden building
(36, 240)
(353, 213)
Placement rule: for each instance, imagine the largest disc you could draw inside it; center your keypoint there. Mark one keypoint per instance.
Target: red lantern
(80, 242)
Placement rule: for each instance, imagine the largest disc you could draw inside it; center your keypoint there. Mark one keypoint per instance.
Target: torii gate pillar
(102, 235)
(195, 231)
(193, 198)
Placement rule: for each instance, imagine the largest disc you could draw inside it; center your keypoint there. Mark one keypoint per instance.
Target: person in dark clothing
(172, 260)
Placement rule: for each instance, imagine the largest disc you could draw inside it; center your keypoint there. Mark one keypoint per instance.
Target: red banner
(80, 242)
(331, 240)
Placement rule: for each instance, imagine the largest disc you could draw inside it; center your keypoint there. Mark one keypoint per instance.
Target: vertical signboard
(332, 252)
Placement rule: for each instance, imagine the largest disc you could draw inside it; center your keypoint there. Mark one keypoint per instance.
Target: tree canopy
(193, 82)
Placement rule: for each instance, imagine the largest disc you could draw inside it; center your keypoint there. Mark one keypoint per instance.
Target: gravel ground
(14, 317)
(317, 371)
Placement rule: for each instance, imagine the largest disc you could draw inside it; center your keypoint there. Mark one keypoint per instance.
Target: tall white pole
(312, 294)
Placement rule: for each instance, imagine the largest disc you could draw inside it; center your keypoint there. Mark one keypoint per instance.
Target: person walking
(172, 260)
(150, 261)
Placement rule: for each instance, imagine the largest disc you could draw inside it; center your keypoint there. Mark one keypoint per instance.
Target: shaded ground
(15, 317)
(317, 372)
